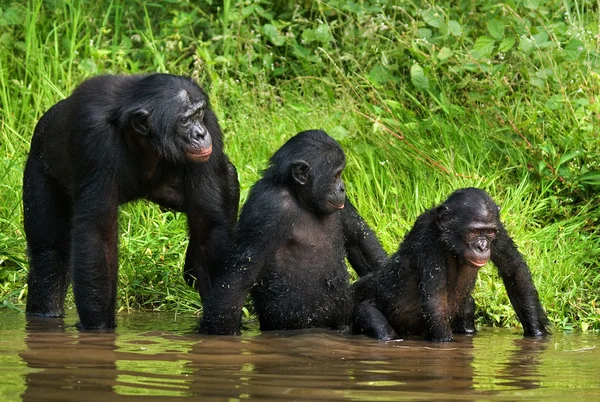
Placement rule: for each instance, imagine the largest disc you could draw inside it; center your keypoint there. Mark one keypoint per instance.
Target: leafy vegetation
(425, 97)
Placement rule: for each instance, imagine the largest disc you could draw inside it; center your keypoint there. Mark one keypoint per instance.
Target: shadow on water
(159, 358)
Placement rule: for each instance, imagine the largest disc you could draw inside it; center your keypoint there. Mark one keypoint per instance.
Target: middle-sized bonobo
(294, 233)
(426, 286)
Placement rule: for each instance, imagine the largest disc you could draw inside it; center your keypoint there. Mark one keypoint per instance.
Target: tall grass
(425, 97)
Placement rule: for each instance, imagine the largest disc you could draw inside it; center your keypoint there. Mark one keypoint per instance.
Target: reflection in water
(64, 364)
(79, 364)
(521, 369)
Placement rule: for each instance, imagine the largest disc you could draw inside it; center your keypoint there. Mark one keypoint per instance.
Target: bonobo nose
(482, 245)
(198, 132)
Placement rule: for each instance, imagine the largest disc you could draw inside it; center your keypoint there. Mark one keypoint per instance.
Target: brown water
(161, 357)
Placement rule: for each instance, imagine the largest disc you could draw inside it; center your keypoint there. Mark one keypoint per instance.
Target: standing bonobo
(294, 233)
(426, 286)
(117, 139)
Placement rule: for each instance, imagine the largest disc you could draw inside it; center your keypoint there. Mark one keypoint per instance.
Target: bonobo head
(469, 221)
(169, 112)
(311, 165)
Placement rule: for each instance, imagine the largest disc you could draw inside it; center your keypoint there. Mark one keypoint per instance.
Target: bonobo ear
(140, 121)
(300, 171)
(441, 215)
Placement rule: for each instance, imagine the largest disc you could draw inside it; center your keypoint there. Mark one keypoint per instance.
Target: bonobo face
(321, 187)
(469, 221)
(335, 196)
(477, 240)
(192, 134)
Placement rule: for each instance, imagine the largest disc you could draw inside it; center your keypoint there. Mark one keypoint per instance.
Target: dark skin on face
(425, 289)
(294, 234)
(114, 140)
(199, 145)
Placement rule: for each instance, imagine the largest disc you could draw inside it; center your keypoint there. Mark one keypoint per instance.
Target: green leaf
(12, 15)
(249, 10)
(591, 179)
(418, 78)
(88, 66)
(555, 102)
(484, 46)
(496, 28)
(338, 133)
(323, 34)
(525, 45)
(541, 37)
(531, 4)
(424, 33)
(455, 28)
(273, 34)
(538, 82)
(568, 156)
(444, 54)
(507, 44)
(574, 49)
(379, 74)
(393, 104)
(308, 35)
(432, 17)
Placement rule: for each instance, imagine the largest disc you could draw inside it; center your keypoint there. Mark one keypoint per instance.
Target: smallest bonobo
(294, 233)
(426, 287)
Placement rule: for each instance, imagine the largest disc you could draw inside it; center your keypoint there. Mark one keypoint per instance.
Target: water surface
(161, 357)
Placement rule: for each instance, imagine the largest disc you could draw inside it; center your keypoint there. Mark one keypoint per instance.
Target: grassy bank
(425, 97)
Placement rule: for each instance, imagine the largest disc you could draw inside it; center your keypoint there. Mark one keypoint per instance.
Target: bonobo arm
(368, 318)
(261, 228)
(519, 285)
(223, 308)
(464, 322)
(372, 322)
(434, 295)
(362, 246)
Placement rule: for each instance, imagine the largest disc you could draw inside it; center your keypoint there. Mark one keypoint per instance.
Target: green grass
(424, 97)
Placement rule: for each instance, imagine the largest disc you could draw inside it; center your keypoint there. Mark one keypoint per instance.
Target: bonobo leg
(370, 321)
(464, 322)
(212, 200)
(94, 257)
(46, 218)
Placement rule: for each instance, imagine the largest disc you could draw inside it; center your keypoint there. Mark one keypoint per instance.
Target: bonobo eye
(185, 121)
(473, 234)
(491, 234)
(200, 114)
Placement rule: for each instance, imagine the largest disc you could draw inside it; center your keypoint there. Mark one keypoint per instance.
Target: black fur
(291, 243)
(426, 286)
(117, 139)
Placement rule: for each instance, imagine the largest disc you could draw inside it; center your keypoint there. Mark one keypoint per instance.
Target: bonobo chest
(311, 241)
(311, 232)
(460, 282)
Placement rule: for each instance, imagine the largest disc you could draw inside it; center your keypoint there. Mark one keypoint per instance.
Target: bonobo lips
(198, 154)
(341, 206)
(477, 263)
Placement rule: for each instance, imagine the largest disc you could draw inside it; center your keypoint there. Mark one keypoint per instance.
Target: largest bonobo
(294, 233)
(426, 286)
(117, 139)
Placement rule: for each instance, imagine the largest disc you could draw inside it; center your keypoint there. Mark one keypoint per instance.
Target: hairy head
(311, 164)
(469, 221)
(169, 112)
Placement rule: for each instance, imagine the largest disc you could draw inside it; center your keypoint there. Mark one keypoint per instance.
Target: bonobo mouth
(477, 263)
(341, 206)
(193, 154)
